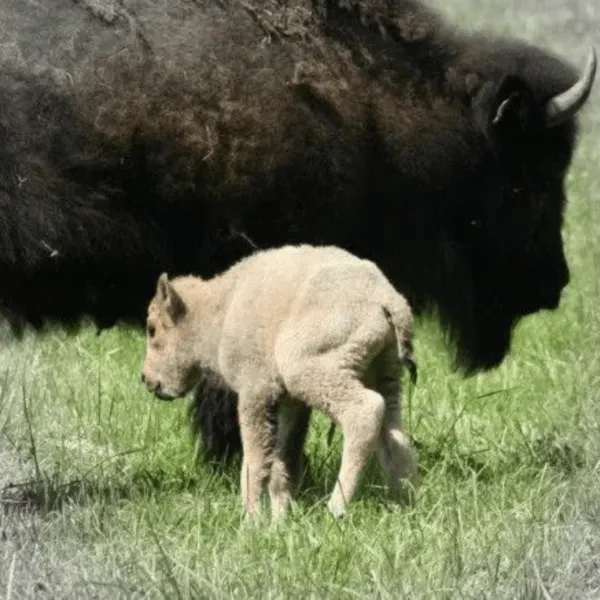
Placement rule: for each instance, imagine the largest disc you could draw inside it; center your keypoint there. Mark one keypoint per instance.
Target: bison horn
(565, 105)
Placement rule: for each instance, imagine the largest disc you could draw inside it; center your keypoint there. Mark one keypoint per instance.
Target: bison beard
(178, 140)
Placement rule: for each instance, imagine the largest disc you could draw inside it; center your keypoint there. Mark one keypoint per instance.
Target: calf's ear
(170, 299)
(162, 287)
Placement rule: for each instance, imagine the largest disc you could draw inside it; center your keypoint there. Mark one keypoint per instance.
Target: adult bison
(143, 138)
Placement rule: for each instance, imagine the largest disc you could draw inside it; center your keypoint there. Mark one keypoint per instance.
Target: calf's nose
(152, 386)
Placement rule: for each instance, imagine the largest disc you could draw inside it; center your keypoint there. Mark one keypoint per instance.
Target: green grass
(101, 496)
(509, 500)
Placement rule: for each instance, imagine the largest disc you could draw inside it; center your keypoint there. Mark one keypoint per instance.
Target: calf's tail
(399, 315)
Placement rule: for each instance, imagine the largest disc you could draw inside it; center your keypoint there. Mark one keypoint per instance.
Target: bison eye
(151, 330)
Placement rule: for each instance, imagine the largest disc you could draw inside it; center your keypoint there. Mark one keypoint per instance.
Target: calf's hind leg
(358, 411)
(360, 414)
(396, 455)
(327, 377)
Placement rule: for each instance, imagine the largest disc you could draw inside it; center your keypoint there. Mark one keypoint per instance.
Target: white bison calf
(290, 328)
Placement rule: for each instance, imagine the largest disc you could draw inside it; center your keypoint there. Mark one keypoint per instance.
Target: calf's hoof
(337, 509)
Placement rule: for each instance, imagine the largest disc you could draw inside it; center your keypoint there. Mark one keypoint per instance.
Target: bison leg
(214, 420)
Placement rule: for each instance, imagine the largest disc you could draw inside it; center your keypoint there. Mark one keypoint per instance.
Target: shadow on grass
(48, 493)
(440, 456)
(547, 451)
(563, 457)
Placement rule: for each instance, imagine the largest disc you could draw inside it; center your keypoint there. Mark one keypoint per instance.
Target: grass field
(101, 497)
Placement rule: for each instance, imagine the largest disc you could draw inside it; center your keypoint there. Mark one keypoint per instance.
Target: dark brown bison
(141, 138)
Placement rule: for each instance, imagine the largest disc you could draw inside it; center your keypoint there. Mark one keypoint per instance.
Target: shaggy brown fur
(290, 330)
(151, 136)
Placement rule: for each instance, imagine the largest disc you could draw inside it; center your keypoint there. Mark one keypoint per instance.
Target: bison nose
(143, 377)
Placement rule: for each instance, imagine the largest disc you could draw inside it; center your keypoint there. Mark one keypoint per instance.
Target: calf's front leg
(258, 439)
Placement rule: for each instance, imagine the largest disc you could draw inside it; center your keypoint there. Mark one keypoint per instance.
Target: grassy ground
(101, 497)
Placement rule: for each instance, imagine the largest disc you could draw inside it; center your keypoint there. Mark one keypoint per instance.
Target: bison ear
(169, 298)
(507, 109)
